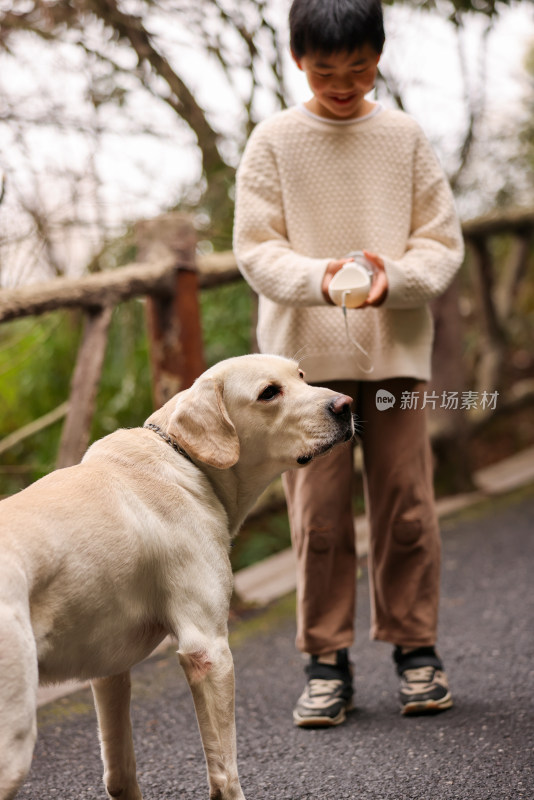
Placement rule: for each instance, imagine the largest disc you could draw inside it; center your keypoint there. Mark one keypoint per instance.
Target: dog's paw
(232, 791)
(131, 793)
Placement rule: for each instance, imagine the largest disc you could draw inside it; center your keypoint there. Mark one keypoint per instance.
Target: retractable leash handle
(348, 288)
(350, 285)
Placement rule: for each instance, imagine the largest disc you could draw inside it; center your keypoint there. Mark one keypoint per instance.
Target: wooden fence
(169, 274)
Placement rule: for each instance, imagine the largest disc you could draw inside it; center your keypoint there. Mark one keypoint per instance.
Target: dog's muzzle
(341, 408)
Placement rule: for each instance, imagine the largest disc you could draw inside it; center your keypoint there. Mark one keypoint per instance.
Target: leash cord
(353, 341)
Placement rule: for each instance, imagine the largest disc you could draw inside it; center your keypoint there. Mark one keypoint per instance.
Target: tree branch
(181, 100)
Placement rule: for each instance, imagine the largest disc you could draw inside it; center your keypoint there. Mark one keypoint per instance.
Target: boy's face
(340, 81)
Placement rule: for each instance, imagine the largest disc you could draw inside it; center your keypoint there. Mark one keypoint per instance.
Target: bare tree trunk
(513, 274)
(448, 422)
(493, 339)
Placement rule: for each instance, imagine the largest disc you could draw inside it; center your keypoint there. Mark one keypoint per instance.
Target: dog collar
(173, 444)
(165, 436)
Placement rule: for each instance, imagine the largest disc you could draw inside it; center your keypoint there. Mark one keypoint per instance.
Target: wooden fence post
(84, 387)
(173, 318)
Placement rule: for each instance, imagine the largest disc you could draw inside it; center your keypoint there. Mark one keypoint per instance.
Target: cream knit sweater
(309, 191)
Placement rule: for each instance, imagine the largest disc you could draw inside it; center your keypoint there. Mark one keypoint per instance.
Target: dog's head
(256, 409)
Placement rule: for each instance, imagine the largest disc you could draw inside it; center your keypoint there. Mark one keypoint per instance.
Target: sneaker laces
(419, 674)
(321, 686)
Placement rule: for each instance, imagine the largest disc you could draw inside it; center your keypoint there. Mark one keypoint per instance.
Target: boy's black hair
(328, 26)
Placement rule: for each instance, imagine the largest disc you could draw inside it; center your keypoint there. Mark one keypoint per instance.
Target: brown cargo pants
(405, 546)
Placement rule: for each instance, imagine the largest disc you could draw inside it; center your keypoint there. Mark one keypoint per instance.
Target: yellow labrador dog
(99, 562)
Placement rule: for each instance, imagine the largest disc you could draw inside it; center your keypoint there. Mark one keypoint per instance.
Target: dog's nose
(340, 405)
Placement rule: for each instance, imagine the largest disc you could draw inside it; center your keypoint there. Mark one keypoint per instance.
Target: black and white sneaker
(328, 693)
(423, 683)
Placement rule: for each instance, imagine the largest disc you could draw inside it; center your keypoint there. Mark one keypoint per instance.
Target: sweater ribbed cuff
(396, 284)
(317, 268)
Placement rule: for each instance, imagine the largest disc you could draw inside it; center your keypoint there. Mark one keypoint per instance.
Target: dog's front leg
(18, 689)
(210, 674)
(112, 701)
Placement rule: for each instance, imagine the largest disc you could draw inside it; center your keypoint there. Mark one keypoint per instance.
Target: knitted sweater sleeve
(434, 249)
(261, 246)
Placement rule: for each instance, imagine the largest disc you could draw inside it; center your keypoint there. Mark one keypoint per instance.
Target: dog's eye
(271, 391)
(301, 374)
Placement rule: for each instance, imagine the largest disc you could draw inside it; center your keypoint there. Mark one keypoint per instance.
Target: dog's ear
(201, 424)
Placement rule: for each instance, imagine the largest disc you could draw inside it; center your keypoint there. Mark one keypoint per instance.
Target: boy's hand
(379, 286)
(331, 268)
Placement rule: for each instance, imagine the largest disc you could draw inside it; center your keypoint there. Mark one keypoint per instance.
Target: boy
(316, 182)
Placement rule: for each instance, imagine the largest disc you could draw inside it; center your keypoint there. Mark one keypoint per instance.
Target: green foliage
(36, 360)
(261, 537)
(227, 313)
(125, 393)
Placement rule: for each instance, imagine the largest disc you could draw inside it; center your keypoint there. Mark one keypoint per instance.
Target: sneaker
(423, 685)
(328, 693)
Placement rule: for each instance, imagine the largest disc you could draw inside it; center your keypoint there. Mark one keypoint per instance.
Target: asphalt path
(482, 749)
